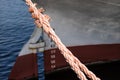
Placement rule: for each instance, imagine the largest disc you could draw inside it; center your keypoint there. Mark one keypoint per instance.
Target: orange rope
(42, 20)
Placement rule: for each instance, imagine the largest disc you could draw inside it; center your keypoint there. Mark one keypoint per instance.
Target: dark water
(16, 26)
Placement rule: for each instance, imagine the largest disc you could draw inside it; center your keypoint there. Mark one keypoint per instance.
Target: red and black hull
(86, 54)
(105, 71)
(103, 60)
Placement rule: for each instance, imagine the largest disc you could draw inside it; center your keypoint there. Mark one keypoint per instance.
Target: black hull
(106, 71)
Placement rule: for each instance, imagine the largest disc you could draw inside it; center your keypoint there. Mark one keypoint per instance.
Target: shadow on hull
(106, 71)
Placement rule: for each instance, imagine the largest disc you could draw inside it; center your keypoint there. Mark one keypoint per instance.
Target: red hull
(86, 54)
(26, 65)
(25, 68)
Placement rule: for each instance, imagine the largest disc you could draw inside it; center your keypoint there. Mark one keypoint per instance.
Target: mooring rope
(42, 20)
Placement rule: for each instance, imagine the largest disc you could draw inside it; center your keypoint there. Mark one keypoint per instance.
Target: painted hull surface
(25, 68)
(88, 54)
(105, 71)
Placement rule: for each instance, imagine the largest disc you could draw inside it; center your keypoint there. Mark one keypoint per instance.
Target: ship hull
(106, 71)
(25, 68)
(88, 54)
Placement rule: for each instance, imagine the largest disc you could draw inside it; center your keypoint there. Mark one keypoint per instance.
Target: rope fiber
(42, 21)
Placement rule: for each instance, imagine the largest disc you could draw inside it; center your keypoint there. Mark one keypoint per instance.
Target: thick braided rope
(43, 21)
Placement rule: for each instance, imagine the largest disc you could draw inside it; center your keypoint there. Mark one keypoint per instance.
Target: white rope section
(42, 20)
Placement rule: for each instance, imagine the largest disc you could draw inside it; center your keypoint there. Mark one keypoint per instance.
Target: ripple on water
(16, 25)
